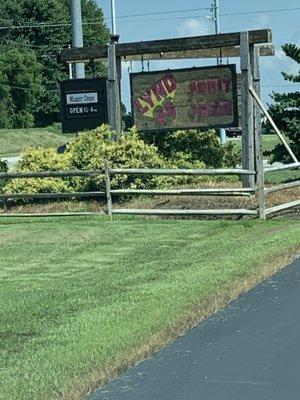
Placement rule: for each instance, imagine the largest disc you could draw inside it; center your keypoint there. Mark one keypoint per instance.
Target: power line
(260, 11)
(162, 12)
(205, 16)
(97, 22)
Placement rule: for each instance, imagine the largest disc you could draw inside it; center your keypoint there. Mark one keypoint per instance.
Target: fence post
(108, 193)
(247, 108)
(259, 167)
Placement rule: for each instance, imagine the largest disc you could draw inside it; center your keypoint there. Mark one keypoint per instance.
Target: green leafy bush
(3, 168)
(196, 147)
(182, 149)
(88, 152)
(92, 148)
(41, 159)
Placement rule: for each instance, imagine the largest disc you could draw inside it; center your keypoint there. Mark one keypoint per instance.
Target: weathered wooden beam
(186, 192)
(166, 45)
(282, 167)
(247, 108)
(282, 207)
(113, 91)
(23, 196)
(283, 186)
(46, 215)
(267, 50)
(184, 212)
(258, 148)
(274, 126)
(49, 174)
(196, 172)
(108, 190)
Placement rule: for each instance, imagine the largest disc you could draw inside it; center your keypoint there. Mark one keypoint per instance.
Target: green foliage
(47, 41)
(88, 152)
(3, 168)
(92, 148)
(20, 75)
(41, 159)
(195, 147)
(286, 112)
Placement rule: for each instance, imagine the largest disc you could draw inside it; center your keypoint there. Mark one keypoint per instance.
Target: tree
(286, 111)
(21, 77)
(47, 40)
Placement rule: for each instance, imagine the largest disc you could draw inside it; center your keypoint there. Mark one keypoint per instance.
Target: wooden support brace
(277, 131)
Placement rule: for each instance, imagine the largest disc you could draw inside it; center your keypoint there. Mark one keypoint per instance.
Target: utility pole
(113, 17)
(216, 19)
(77, 35)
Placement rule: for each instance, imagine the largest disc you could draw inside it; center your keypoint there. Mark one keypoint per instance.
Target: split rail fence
(261, 211)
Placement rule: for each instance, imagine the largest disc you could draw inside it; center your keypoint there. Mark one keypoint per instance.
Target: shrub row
(182, 149)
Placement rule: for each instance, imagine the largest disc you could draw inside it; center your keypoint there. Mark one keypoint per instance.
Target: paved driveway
(248, 351)
(11, 160)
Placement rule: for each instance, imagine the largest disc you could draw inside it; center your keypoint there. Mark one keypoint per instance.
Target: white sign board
(82, 98)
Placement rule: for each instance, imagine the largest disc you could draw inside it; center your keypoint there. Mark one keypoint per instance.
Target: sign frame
(84, 119)
(234, 123)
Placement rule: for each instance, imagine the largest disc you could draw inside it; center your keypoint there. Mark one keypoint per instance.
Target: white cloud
(261, 21)
(194, 27)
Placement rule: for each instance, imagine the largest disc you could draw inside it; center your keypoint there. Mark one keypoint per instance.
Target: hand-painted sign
(185, 98)
(83, 104)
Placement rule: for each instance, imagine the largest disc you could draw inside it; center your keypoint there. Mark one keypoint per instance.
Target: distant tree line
(29, 70)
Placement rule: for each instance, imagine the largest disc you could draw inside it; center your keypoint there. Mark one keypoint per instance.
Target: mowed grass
(13, 141)
(268, 142)
(82, 298)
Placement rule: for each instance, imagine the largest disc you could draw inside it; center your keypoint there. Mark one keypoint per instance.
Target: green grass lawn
(81, 298)
(269, 142)
(13, 141)
(277, 177)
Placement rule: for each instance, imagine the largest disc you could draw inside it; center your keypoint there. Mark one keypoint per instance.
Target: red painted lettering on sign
(209, 86)
(212, 109)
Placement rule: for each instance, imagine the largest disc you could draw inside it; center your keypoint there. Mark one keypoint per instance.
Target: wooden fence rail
(282, 186)
(107, 172)
(64, 195)
(178, 192)
(56, 196)
(188, 172)
(50, 174)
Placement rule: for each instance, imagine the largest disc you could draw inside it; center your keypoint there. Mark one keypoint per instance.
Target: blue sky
(284, 24)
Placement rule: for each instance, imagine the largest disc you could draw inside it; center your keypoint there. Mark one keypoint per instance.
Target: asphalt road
(248, 351)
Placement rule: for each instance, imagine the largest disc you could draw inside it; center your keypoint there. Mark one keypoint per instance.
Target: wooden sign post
(113, 88)
(232, 44)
